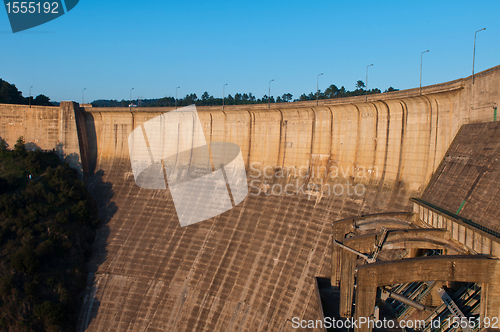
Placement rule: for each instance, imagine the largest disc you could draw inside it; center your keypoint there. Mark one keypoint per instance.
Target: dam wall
(253, 268)
(401, 136)
(45, 128)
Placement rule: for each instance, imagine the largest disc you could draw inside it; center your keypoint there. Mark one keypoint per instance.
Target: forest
(48, 222)
(9, 94)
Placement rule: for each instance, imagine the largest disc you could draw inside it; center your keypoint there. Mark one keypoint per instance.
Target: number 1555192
(33, 7)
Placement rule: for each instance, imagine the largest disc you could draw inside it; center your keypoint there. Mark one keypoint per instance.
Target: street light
(474, 54)
(269, 97)
(176, 96)
(83, 95)
(223, 94)
(30, 96)
(317, 89)
(421, 69)
(130, 101)
(366, 87)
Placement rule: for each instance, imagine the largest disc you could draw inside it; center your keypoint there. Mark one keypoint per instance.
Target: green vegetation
(47, 225)
(241, 98)
(10, 95)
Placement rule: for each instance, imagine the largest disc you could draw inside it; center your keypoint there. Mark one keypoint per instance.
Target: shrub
(3, 147)
(49, 312)
(6, 284)
(19, 148)
(24, 261)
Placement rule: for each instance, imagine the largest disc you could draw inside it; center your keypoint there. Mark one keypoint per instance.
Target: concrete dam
(254, 267)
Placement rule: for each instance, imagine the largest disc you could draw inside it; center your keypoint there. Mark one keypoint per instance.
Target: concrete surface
(468, 179)
(253, 267)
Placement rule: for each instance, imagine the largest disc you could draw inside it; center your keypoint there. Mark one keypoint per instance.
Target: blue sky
(111, 46)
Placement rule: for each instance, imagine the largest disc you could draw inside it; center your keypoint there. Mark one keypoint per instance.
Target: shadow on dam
(102, 191)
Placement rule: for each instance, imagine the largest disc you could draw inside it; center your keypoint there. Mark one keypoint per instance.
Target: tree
(332, 91)
(205, 96)
(10, 95)
(391, 89)
(41, 100)
(360, 84)
(303, 97)
(3, 146)
(287, 97)
(19, 148)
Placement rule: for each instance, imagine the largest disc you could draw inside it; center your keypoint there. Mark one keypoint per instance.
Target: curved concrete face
(172, 148)
(252, 267)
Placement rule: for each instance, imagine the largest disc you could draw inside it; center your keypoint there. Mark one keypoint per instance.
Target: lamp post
(223, 94)
(176, 96)
(83, 95)
(421, 54)
(30, 96)
(474, 53)
(317, 89)
(269, 96)
(366, 88)
(130, 101)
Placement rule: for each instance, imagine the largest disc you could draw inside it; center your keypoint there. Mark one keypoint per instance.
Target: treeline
(47, 226)
(334, 92)
(9, 94)
(239, 98)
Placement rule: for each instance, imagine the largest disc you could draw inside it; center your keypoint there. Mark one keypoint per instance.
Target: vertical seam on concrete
(437, 133)
(133, 120)
(429, 120)
(358, 134)
(279, 145)
(386, 152)
(210, 144)
(331, 134)
(249, 138)
(401, 148)
(284, 148)
(313, 132)
(376, 135)
(430, 132)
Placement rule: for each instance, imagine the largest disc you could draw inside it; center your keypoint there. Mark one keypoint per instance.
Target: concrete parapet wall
(44, 127)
